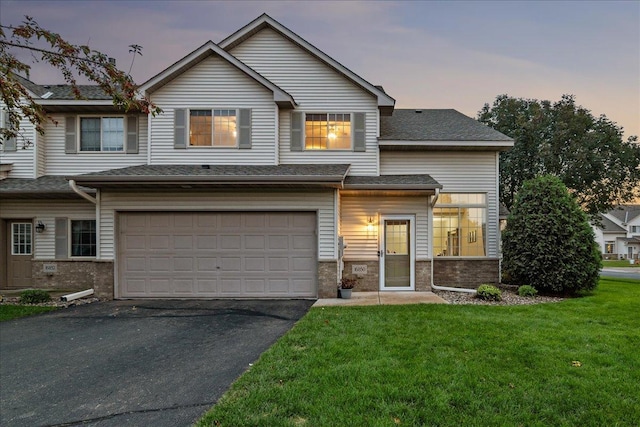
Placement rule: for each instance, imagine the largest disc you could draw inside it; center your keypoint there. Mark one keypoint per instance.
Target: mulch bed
(509, 297)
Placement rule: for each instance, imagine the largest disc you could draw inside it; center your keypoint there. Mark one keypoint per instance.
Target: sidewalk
(383, 298)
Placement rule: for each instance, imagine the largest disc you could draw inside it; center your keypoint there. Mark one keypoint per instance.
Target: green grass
(618, 263)
(450, 365)
(8, 312)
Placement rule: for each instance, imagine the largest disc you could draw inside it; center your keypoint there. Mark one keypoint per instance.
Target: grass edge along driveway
(570, 363)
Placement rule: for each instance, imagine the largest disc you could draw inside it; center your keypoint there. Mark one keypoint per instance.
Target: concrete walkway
(383, 298)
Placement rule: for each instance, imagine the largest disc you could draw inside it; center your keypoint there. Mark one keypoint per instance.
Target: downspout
(84, 195)
(434, 199)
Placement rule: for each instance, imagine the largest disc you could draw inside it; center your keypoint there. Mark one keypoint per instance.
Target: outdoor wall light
(370, 224)
(40, 227)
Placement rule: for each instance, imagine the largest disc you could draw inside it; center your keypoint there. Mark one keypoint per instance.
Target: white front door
(397, 262)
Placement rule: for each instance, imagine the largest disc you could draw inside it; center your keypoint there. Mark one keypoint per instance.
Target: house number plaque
(359, 269)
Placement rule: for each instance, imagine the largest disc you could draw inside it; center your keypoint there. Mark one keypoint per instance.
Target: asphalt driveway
(134, 363)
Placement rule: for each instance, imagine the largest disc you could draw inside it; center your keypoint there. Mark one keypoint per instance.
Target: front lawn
(618, 263)
(571, 363)
(8, 311)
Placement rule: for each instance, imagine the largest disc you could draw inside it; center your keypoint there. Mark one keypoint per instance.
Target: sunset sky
(426, 54)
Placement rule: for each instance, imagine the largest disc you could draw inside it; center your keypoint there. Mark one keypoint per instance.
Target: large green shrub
(548, 242)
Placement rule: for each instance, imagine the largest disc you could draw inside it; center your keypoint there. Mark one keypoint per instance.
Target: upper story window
(635, 229)
(327, 131)
(213, 128)
(460, 224)
(102, 134)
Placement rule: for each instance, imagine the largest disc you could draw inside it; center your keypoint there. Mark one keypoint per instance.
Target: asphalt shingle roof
(63, 92)
(392, 181)
(222, 171)
(609, 226)
(625, 212)
(435, 125)
(48, 185)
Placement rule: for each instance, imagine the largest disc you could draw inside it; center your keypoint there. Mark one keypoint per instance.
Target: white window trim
(209, 147)
(101, 116)
(463, 205)
(324, 150)
(13, 237)
(70, 238)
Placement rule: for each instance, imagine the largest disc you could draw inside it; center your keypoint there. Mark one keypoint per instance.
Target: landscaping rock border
(509, 297)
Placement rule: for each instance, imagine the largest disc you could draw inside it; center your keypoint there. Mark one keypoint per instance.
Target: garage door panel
(254, 264)
(159, 264)
(255, 286)
(230, 242)
(217, 255)
(206, 242)
(156, 243)
(207, 264)
(181, 265)
(254, 242)
(135, 264)
(159, 286)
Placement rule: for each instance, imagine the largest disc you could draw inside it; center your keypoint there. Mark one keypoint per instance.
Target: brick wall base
(75, 275)
(465, 273)
(327, 279)
(370, 282)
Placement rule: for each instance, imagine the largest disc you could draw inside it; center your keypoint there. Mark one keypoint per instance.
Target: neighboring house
(268, 156)
(619, 233)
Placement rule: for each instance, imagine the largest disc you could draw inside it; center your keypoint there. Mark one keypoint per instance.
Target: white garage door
(205, 254)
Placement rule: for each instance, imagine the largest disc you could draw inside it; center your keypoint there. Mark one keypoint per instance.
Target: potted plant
(346, 286)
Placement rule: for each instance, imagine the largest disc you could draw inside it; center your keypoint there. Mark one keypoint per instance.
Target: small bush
(527, 291)
(489, 293)
(34, 296)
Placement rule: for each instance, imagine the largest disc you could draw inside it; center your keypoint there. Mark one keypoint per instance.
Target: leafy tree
(588, 154)
(548, 242)
(72, 61)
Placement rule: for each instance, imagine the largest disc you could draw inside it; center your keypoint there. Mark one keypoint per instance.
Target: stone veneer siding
(465, 273)
(327, 279)
(74, 275)
(370, 282)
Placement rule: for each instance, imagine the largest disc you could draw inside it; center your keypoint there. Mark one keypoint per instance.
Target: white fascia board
(473, 144)
(384, 100)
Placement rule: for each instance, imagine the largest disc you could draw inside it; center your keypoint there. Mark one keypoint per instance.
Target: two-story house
(272, 171)
(618, 233)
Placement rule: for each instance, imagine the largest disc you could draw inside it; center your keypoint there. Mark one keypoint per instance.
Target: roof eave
(445, 145)
(332, 181)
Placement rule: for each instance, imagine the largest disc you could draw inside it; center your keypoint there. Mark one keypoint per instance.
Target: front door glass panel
(397, 259)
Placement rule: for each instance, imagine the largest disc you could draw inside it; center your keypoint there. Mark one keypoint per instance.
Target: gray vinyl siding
(60, 163)
(461, 172)
(321, 202)
(362, 243)
(46, 211)
(212, 84)
(316, 88)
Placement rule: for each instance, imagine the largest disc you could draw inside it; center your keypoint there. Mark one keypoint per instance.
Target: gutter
(84, 195)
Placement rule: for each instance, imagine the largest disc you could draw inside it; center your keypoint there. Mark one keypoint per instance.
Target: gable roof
(625, 213)
(608, 226)
(280, 96)
(385, 102)
(410, 129)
